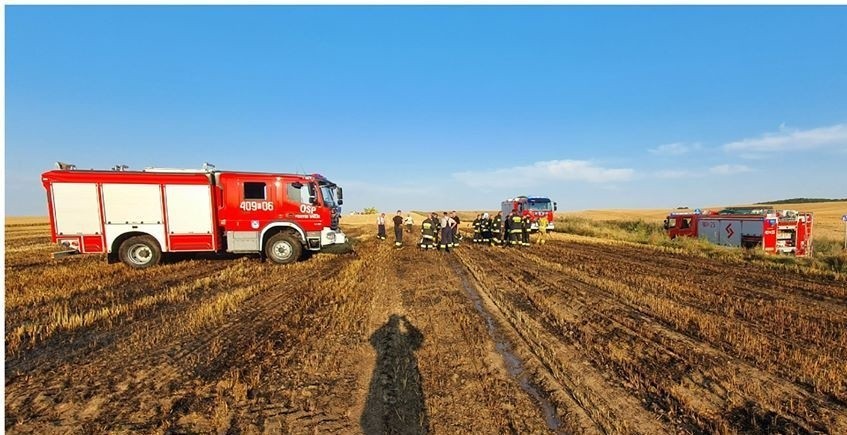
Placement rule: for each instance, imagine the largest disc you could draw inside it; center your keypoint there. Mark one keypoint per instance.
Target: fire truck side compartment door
(730, 232)
(708, 229)
(189, 209)
(242, 241)
(77, 208)
(132, 203)
(133, 208)
(752, 228)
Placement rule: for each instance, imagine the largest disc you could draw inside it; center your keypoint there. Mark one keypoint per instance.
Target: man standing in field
(485, 228)
(380, 226)
(398, 229)
(447, 227)
(527, 224)
(428, 234)
(457, 235)
(496, 229)
(436, 224)
(477, 229)
(515, 225)
(408, 222)
(542, 231)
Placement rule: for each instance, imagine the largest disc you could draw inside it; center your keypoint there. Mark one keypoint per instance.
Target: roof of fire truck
(207, 169)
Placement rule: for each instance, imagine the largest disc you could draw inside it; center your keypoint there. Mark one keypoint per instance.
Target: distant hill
(801, 200)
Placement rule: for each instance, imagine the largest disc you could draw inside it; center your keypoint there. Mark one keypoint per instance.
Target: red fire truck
(532, 208)
(136, 216)
(774, 232)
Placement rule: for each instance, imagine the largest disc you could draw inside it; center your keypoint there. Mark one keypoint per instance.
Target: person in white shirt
(408, 222)
(380, 224)
(448, 226)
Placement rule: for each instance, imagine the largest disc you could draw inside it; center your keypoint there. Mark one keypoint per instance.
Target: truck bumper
(332, 237)
(335, 242)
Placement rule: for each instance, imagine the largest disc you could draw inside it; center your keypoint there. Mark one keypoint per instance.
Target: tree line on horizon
(801, 200)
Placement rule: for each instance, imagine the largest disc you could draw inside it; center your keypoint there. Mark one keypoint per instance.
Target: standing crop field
(577, 336)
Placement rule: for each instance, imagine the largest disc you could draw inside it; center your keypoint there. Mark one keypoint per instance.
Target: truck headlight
(330, 236)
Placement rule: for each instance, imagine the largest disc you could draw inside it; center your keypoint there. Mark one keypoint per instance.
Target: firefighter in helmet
(485, 228)
(477, 229)
(428, 234)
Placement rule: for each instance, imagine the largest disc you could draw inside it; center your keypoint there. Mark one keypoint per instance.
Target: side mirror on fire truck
(555, 206)
(340, 196)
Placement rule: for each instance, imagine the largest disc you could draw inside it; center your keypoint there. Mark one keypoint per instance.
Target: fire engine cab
(783, 231)
(532, 208)
(136, 216)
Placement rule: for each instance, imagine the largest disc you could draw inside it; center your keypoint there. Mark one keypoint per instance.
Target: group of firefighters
(442, 232)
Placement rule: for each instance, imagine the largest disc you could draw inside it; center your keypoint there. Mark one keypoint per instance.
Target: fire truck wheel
(140, 252)
(283, 248)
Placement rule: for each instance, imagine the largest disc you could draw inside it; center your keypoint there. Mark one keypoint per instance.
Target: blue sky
(440, 107)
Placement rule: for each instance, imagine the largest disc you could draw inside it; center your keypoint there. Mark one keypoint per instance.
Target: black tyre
(283, 248)
(140, 252)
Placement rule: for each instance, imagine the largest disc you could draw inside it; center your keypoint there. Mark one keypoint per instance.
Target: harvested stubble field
(577, 336)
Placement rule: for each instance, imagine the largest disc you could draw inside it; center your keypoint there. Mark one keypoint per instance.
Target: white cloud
(729, 169)
(674, 149)
(545, 171)
(834, 136)
(674, 173)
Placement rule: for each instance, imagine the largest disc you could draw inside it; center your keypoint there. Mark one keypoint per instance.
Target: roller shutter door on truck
(134, 208)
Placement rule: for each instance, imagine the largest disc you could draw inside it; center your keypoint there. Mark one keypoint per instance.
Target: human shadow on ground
(395, 402)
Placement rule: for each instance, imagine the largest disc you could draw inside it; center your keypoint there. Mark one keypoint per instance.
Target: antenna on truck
(120, 168)
(65, 166)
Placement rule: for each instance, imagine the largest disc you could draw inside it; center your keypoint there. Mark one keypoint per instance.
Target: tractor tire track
(602, 302)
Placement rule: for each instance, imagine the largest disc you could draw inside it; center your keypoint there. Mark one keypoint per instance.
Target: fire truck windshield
(540, 205)
(328, 193)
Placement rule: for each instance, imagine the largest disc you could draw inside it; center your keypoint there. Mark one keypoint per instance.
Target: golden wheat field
(578, 335)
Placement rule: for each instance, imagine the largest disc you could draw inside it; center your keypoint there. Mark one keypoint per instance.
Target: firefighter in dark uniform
(527, 224)
(427, 234)
(496, 229)
(477, 229)
(485, 228)
(457, 236)
(436, 224)
(515, 228)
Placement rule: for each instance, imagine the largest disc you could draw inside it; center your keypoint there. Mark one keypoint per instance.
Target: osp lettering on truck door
(256, 206)
(307, 211)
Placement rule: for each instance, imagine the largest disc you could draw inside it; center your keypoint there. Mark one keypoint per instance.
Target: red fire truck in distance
(532, 208)
(774, 232)
(136, 216)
